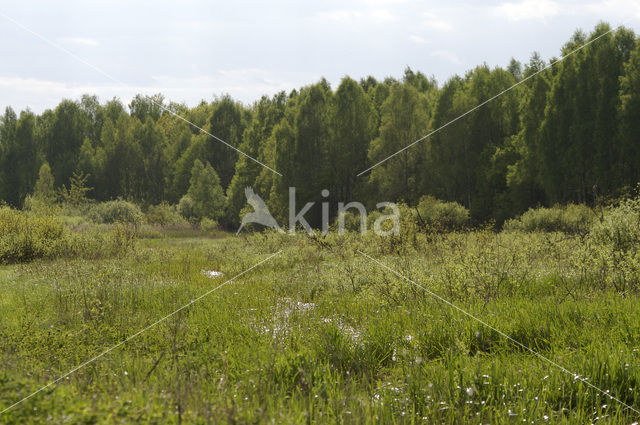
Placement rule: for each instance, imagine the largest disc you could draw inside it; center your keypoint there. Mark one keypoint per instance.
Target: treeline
(570, 134)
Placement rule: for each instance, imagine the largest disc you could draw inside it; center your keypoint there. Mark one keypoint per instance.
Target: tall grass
(320, 334)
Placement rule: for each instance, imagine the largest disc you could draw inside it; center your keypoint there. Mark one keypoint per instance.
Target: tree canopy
(569, 134)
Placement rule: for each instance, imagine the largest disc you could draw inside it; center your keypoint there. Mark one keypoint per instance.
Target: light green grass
(320, 334)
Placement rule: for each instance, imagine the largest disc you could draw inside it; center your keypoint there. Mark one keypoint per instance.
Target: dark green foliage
(569, 134)
(403, 120)
(147, 107)
(267, 114)
(227, 122)
(353, 126)
(205, 192)
(579, 135)
(303, 137)
(629, 111)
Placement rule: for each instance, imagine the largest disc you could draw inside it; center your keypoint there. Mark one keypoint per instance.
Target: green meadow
(321, 332)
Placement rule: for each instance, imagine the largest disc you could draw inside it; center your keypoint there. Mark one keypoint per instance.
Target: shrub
(40, 206)
(43, 190)
(185, 208)
(116, 212)
(352, 221)
(164, 215)
(24, 237)
(75, 221)
(619, 228)
(206, 192)
(442, 215)
(76, 194)
(208, 225)
(573, 219)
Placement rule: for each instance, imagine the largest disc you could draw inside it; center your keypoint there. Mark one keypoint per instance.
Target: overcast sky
(195, 49)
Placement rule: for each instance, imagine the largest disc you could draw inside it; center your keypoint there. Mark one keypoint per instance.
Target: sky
(192, 50)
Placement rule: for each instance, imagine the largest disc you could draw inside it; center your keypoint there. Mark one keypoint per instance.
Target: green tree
(143, 107)
(418, 80)
(267, 113)
(206, 192)
(227, 122)
(492, 128)
(76, 194)
(153, 169)
(63, 140)
(44, 188)
(353, 125)
(578, 133)
(449, 150)
(183, 166)
(523, 176)
(19, 156)
(8, 126)
(178, 139)
(404, 119)
(629, 124)
(284, 153)
(310, 166)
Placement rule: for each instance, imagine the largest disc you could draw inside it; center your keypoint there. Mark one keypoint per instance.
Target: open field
(322, 334)
(356, 212)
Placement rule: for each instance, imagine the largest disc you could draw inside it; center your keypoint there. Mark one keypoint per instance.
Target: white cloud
(436, 23)
(384, 2)
(528, 10)
(417, 39)
(381, 15)
(621, 9)
(45, 87)
(244, 84)
(38, 95)
(446, 54)
(81, 41)
(347, 15)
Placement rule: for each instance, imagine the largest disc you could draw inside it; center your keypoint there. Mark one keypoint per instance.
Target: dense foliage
(570, 134)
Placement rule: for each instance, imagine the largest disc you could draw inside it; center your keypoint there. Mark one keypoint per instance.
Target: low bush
(186, 208)
(208, 225)
(24, 237)
(441, 215)
(75, 221)
(572, 219)
(351, 220)
(116, 212)
(164, 215)
(619, 228)
(40, 206)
